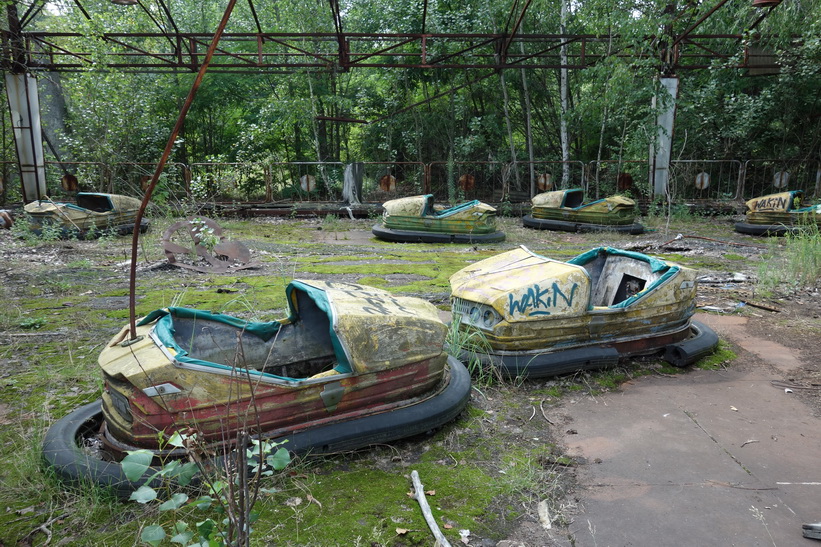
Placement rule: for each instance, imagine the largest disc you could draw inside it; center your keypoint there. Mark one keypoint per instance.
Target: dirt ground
(525, 415)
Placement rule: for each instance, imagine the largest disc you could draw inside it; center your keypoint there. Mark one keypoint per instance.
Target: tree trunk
(563, 94)
(509, 133)
(528, 127)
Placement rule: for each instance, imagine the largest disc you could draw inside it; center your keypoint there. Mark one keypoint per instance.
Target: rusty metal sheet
(199, 244)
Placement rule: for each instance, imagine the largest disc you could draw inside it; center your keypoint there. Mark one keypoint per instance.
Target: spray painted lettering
(773, 203)
(538, 300)
(378, 303)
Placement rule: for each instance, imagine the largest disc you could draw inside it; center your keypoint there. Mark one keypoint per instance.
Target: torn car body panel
(779, 213)
(93, 213)
(418, 216)
(345, 351)
(527, 305)
(566, 210)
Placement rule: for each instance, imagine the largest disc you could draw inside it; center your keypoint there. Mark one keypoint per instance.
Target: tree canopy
(432, 114)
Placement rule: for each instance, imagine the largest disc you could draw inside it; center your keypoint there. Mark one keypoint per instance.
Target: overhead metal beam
(254, 52)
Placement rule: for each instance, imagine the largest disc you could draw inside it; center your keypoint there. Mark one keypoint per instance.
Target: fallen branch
(680, 237)
(45, 528)
(760, 306)
(426, 512)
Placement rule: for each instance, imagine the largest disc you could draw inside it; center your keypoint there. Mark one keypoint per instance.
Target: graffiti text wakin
(538, 300)
(771, 204)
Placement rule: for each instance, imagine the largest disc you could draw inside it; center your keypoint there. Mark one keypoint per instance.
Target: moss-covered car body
(92, 214)
(779, 213)
(344, 352)
(566, 210)
(526, 305)
(418, 218)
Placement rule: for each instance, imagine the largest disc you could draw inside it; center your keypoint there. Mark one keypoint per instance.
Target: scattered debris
(749, 441)
(198, 244)
(760, 306)
(679, 237)
(426, 512)
(792, 385)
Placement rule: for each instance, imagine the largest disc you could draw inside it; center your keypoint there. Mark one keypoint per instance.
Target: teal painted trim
(647, 290)
(164, 331)
(656, 265)
(457, 209)
(320, 298)
(570, 192)
(261, 330)
(428, 211)
(584, 205)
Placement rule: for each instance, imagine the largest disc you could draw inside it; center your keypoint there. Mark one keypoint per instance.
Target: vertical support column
(661, 147)
(24, 104)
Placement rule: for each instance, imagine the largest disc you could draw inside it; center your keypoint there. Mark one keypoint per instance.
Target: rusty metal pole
(161, 165)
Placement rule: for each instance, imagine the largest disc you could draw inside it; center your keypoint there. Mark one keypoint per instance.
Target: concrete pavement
(704, 458)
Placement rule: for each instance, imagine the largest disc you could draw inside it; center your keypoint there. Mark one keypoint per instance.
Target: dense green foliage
(722, 113)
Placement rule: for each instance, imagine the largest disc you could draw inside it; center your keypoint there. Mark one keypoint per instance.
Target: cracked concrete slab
(706, 458)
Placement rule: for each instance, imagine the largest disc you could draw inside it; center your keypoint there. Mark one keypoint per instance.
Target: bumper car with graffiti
(565, 210)
(417, 219)
(541, 317)
(93, 214)
(351, 366)
(779, 214)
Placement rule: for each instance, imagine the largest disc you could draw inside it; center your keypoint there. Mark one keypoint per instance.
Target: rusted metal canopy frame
(161, 165)
(42, 51)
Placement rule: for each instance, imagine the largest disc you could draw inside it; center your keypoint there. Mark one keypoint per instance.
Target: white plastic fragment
(544, 515)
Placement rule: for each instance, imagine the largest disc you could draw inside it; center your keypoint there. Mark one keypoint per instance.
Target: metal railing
(490, 181)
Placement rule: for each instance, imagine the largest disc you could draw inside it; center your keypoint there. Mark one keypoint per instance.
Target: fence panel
(705, 179)
(609, 177)
(383, 181)
(495, 182)
(307, 181)
(762, 177)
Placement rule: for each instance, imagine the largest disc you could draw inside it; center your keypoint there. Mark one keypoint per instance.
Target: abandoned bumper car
(565, 210)
(540, 317)
(351, 366)
(93, 214)
(778, 214)
(417, 219)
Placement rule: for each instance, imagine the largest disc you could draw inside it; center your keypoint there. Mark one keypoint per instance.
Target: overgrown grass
(485, 476)
(793, 262)
(467, 345)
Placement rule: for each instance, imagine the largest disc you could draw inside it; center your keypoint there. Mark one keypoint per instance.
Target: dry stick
(760, 306)
(543, 413)
(423, 504)
(711, 239)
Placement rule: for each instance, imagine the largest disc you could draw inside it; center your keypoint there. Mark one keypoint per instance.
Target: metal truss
(170, 50)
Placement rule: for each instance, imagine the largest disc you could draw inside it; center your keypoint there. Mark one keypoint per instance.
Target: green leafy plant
(230, 490)
(203, 234)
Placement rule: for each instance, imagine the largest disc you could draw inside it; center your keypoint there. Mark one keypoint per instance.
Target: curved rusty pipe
(132, 314)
